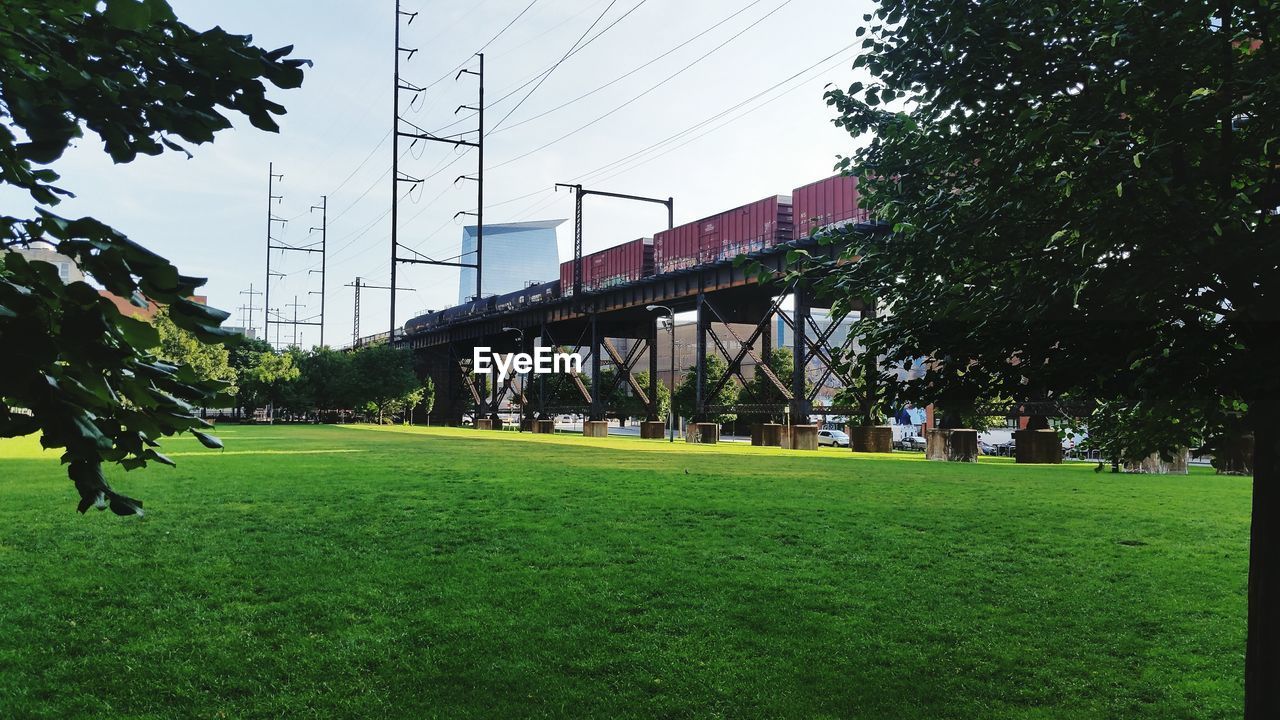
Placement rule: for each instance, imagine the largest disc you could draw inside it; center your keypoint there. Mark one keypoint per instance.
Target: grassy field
(335, 572)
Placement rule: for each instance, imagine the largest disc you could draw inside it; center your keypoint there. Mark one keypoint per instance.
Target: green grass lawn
(326, 572)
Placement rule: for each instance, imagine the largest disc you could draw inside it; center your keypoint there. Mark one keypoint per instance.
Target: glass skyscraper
(515, 256)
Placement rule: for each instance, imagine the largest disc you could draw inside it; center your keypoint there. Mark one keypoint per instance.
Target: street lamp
(523, 409)
(671, 400)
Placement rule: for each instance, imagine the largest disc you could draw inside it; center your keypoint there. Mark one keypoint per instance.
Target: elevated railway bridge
(722, 294)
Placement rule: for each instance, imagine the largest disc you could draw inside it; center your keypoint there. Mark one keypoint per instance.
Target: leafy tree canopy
(129, 72)
(1080, 206)
(211, 362)
(686, 391)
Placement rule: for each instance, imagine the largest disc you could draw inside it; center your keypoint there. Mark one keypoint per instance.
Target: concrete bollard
(595, 428)
(653, 430)
(952, 445)
(870, 438)
(1037, 446)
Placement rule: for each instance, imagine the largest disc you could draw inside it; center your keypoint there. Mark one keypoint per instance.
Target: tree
(427, 400)
(267, 380)
(327, 377)
(211, 362)
(384, 379)
(1079, 203)
(761, 391)
(142, 81)
(686, 391)
(623, 401)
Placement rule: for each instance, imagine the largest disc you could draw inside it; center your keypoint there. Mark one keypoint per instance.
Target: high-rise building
(516, 255)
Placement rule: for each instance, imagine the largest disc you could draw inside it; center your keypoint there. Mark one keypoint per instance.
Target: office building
(516, 255)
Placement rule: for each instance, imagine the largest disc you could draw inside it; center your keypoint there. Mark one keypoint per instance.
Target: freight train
(767, 223)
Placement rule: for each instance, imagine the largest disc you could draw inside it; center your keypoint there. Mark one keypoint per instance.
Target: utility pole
(579, 192)
(249, 324)
(323, 207)
(271, 220)
(359, 285)
(455, 140)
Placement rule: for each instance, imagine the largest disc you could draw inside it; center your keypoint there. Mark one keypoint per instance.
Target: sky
(735, 89)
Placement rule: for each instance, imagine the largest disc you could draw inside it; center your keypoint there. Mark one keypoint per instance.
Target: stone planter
(1234, 455)
(544, 427)
(766, 434)
(595, 428)
(653, 430)
(952, 445)
(1156, 465)
(799, 437)
(1037, 446)
(870, 438)
(702, 433)
(484, 424)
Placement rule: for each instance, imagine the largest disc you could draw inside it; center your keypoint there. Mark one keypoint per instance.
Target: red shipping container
(756, 226)
(827, 203)
(618, 265)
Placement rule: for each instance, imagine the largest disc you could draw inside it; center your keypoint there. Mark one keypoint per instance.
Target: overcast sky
(208, 214)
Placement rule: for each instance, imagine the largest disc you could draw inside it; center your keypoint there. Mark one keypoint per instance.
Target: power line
(620, 78)
(552, 69)
(664, 81)
(463, 64)
(540, 75)
(716, 116)
(537, 206)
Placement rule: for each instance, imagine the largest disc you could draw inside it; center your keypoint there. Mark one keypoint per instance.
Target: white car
(912, 442)
(835, 438)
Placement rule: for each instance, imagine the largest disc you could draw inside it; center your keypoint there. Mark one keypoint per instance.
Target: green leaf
(208, 440)
(128, 14)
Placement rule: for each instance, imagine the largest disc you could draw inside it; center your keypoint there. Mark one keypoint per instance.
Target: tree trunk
(1262, 653)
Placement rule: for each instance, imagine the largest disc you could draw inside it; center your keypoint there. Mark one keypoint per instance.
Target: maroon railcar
(755, 226)
(827, 203)
(617, 265)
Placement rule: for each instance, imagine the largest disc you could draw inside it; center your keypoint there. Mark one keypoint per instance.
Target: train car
(527, 297)
(509, 302)
(422, 323)
(618, 265)
(755, 226)
(827, 204)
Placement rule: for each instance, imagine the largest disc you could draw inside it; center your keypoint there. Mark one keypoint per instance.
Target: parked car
(835, 438)
(986, 448)
(911, 442)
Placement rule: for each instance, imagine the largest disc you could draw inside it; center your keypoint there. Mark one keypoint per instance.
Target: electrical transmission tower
(276, 245)
(271, 221)
(323, 207)
(420, 133)
(359, 285)
(247, 320)
(295, 305)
